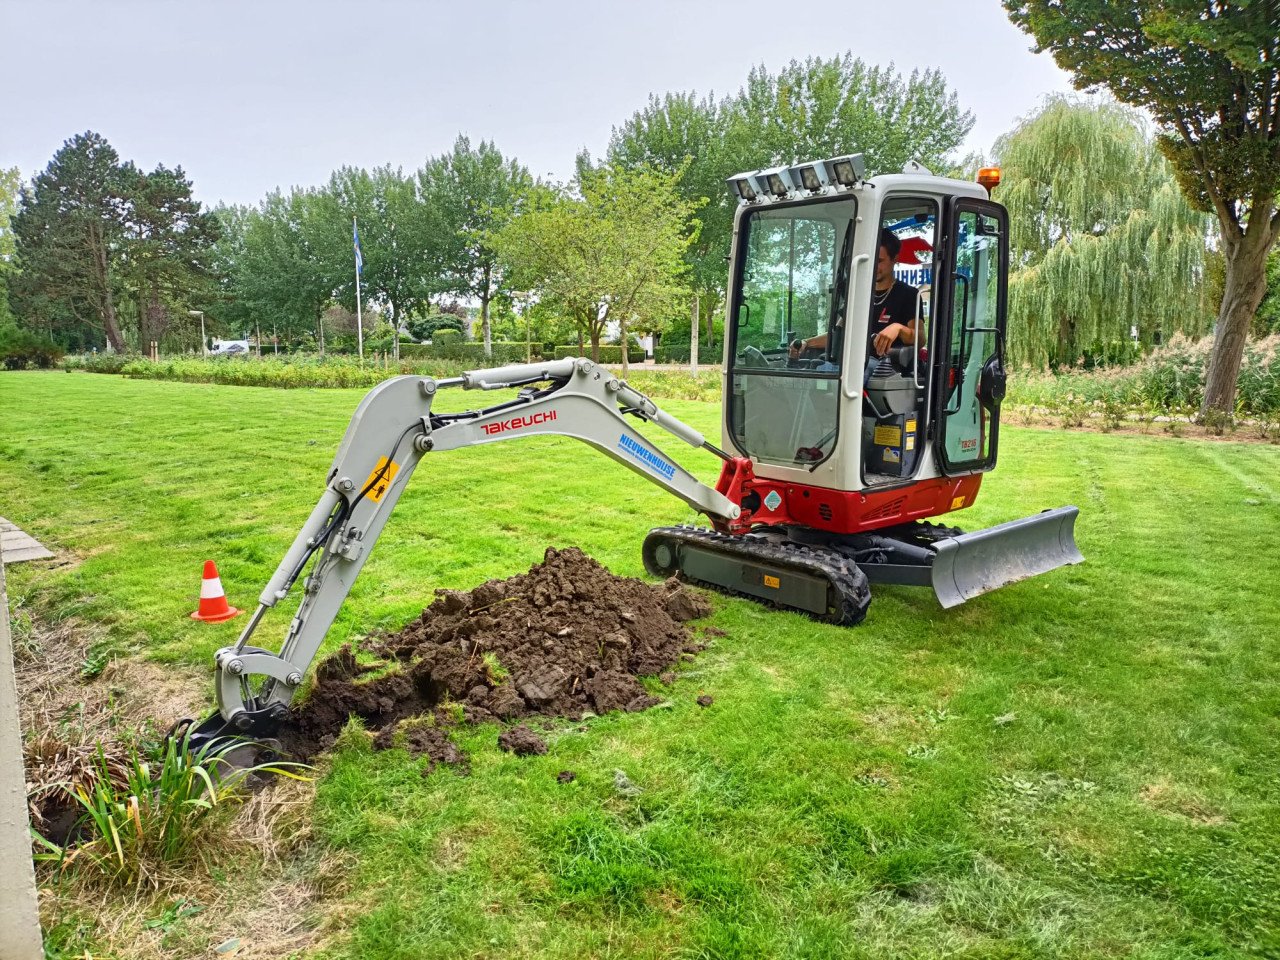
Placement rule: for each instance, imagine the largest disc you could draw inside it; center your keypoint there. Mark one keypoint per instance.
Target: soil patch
(521, 741)
(422, 740)
(566, 639)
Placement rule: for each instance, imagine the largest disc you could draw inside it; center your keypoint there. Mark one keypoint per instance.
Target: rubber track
(849, 583)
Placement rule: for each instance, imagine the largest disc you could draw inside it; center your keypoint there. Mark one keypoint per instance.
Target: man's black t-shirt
(897, 306)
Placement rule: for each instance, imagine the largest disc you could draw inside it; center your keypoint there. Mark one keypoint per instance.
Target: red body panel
(840, 511)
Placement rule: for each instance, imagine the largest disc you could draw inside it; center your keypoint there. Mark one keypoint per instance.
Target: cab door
(969, 362)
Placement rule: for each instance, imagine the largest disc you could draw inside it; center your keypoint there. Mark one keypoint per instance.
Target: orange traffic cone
(213, 601)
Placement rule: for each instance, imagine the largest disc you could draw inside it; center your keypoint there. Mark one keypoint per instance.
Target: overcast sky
(248, 96)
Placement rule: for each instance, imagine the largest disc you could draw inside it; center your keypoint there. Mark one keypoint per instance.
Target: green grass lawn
(1081, 765)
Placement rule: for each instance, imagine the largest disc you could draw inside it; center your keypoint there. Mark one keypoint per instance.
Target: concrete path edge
(19, 905)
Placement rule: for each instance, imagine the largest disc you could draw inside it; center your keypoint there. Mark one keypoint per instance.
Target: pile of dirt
(562, 640)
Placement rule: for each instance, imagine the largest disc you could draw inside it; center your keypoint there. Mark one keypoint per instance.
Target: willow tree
(1101, 239)
(1209, 73)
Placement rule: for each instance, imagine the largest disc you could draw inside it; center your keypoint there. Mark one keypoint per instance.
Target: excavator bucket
(972, 564)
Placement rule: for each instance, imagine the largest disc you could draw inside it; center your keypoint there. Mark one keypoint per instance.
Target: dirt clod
(566, 776)
(566, 639)
(421, 740)
(521, 741)
(683, 605)
(706, 701)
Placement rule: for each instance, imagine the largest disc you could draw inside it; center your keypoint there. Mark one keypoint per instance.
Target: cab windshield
(793, 283)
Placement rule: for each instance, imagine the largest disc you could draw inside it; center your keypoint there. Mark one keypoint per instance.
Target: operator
(893, 307)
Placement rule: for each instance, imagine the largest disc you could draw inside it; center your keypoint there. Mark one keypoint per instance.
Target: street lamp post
(204, 344)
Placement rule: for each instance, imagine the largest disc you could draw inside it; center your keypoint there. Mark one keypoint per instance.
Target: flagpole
(359, 312)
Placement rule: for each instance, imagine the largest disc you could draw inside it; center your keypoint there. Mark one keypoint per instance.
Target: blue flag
(355, 236)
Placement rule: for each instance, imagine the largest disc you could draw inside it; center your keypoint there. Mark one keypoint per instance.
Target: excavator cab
(805, 272)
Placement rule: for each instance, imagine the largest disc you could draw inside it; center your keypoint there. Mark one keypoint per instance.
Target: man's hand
(795, 349)
(887, 337)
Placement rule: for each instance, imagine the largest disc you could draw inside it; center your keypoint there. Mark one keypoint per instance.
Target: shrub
(1113, 413)
(1168, 381)
(608, 353)
(309, 370)
(446, 336)
(295, 371)
(677, 384)
(682, 354)
(98, 362)
(472, 354)
(20, 349)
(425, 328)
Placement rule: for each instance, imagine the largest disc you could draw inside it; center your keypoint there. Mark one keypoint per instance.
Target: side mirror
(992, 383)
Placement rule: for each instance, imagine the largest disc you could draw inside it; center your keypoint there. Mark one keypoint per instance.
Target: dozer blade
(972, 564)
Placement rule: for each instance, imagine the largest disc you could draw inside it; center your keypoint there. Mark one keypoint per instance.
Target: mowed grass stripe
(1080, 765)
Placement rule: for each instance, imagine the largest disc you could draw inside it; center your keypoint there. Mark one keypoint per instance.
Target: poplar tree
(471, 193)
(1101, 239)
(10, 191)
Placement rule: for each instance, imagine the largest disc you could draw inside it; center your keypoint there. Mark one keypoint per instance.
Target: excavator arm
(390, 432)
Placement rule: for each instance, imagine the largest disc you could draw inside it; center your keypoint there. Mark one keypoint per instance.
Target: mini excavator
(835, 455)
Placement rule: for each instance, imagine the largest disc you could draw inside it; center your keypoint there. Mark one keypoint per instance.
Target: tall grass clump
(140, 812)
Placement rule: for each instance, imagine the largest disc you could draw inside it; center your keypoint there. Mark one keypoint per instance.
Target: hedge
(472, 353)
(610, 353)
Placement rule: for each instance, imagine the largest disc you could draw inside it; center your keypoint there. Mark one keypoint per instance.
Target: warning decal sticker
(886, 436)
(384, 473)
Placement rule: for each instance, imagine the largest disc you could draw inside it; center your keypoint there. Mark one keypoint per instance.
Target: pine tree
(68, 231)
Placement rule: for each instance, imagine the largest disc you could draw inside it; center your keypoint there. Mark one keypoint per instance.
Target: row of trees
(811, 109)
(424, 238)
(440, 234)
(1104, 239)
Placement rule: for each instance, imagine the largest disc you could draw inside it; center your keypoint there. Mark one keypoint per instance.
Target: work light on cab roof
(810, 177)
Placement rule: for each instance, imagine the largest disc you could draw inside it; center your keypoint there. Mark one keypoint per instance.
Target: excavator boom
(390, 431)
